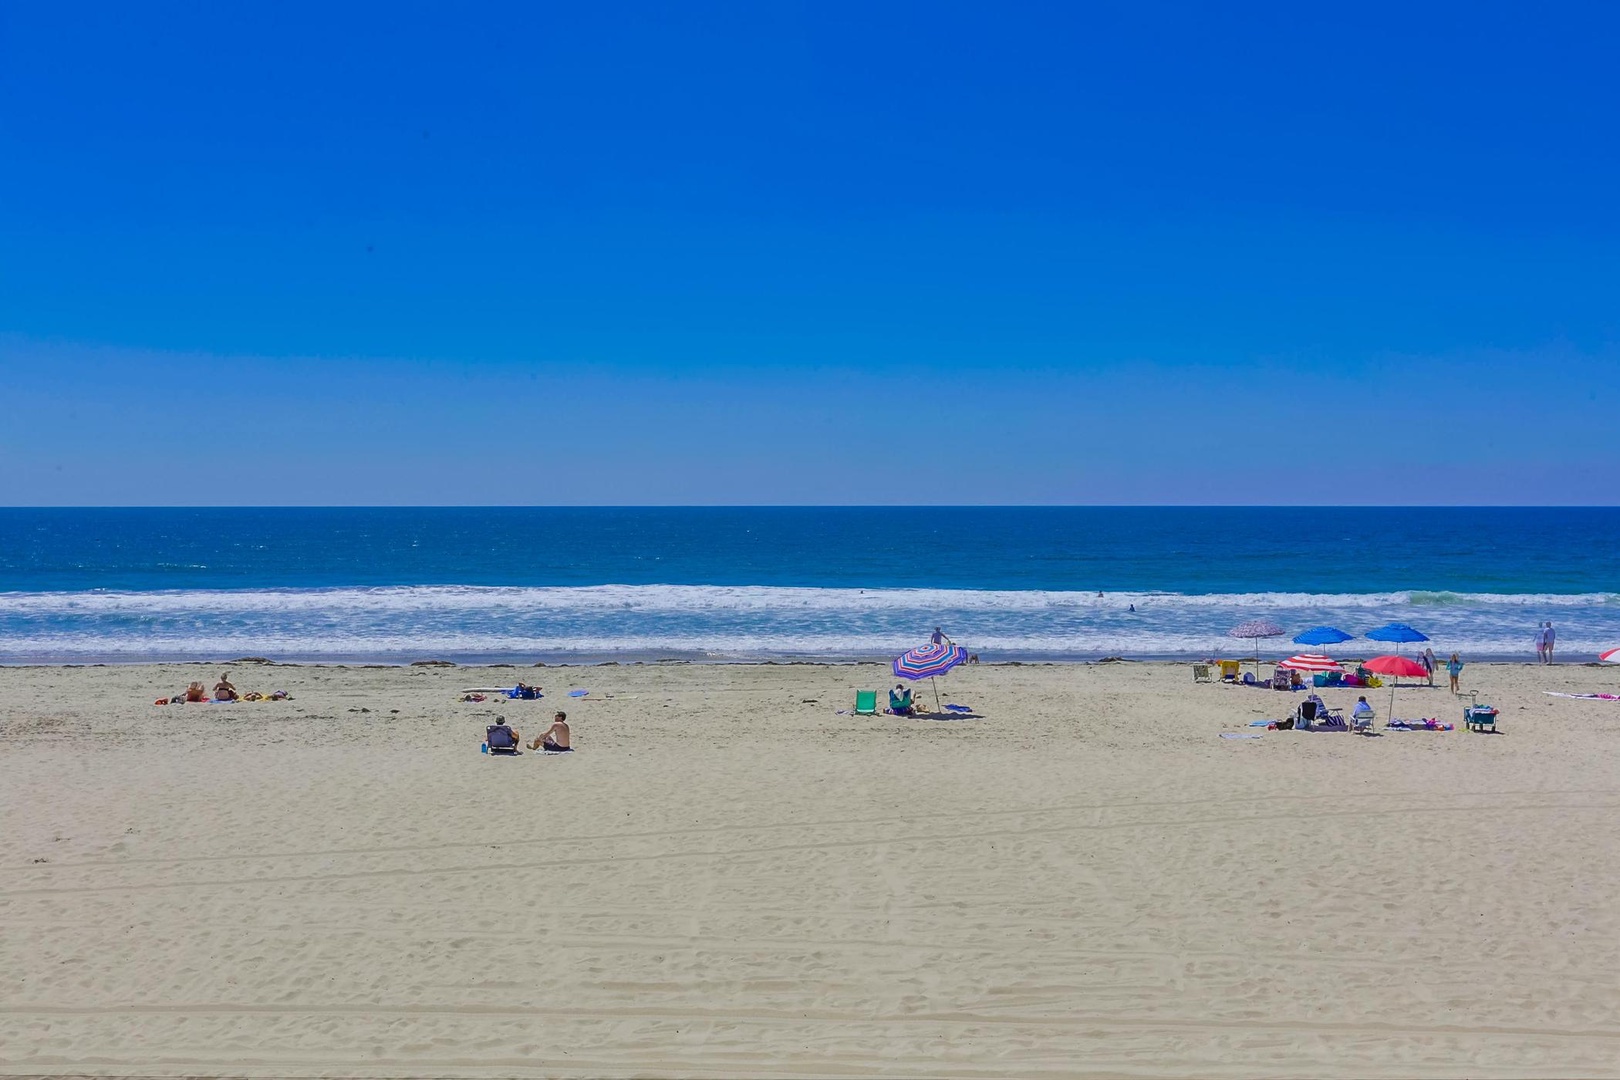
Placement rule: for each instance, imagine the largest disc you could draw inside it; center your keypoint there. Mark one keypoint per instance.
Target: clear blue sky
(817, 252)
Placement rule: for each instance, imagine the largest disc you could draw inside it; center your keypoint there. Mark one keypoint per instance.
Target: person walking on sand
(1427, 660)
(1541, 644)
(1551, 636)
(1454, 669)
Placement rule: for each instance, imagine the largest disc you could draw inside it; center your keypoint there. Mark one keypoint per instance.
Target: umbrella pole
(935, 684)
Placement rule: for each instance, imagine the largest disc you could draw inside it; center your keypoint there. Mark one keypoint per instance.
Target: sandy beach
(730, 879)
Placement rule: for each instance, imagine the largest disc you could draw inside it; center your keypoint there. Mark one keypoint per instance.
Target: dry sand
(730, 879)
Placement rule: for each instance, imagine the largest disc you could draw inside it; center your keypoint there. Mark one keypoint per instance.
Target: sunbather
(196, 692)
(900, 701)
(554, 738)
(223, 690)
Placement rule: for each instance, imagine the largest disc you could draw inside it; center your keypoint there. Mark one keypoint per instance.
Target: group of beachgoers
(224, 691)
(503, 738)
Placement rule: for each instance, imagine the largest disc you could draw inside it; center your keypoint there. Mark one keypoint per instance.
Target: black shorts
(555, 749)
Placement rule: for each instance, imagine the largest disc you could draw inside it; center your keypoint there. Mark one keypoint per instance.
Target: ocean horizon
(721, 584)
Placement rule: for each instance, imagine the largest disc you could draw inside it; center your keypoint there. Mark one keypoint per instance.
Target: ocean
(593, 584)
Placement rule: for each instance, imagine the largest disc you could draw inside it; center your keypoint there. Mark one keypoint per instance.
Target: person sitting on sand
(223, 690)
(554, 738)
(900, 700)
(196, 692)
(503, 737)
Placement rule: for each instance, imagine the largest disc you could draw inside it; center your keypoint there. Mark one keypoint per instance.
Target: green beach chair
(866, 703)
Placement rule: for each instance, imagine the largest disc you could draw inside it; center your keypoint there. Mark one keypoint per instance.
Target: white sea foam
(738, 598)
(741, 622)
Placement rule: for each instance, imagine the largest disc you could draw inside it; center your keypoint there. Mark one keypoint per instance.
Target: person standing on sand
(938, 637)
(1551, 636)
(1427, 660)
(1454, 669)
(1541, 644)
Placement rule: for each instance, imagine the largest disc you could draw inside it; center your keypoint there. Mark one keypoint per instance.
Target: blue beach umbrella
(1322, 635)
(1398, 633)
(929, 661)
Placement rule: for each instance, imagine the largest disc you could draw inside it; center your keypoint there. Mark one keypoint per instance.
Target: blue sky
(824, 253)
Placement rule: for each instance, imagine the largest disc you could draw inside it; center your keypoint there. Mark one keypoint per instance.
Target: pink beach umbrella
(1610, 657)
(1396, 667)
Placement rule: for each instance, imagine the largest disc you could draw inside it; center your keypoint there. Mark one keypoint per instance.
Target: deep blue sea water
(718, 583)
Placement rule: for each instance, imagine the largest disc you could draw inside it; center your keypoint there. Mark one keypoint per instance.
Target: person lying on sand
(554, 738)
(196, 692)
(223, 690)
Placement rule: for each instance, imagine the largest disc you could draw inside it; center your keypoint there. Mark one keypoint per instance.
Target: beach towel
(1240, 735)
(1261, 723)
(1584, 697)
(1418, 725)
(578, 693)
(958, 708)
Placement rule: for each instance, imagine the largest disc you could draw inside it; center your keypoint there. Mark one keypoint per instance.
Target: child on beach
(1454, 669)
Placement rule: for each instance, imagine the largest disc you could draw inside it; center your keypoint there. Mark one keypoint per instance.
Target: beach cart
(1477, 717)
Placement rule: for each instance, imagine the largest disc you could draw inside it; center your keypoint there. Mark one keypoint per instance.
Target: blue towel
(958, 708)
(578, 693)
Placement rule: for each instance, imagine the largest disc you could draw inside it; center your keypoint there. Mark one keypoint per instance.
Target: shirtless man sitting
(554, 738)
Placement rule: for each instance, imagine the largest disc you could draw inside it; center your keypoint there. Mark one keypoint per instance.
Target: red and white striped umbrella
(1610, 657)
(1310, 662)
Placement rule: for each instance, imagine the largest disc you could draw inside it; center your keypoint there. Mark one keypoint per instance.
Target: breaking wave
(747, 622)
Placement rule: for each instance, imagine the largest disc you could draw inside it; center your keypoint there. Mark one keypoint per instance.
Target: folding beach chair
(1201, 673)
(1305, 716)
(500, 739)
(1229, 670)
(866, 703)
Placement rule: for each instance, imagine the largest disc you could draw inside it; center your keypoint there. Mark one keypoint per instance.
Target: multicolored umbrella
(1395, 666)
(1256, 629)
(1610, 657)
(929, 661)
(1310, 662)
